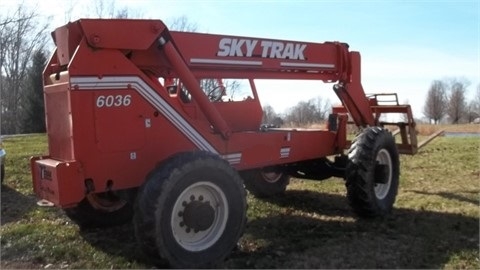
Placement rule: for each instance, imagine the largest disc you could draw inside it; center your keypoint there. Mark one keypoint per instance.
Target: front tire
(191, 211)
(372, 173)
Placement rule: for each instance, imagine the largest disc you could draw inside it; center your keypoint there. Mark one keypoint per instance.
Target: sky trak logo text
(268, 49)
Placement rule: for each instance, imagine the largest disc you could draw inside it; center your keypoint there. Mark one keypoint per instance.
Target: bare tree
(475, 103)
(182, 24)
(457, 106)
(21, 35)
(308, 112)
(476, 98)
(322, 108)
(270, 117)
(436, 103)
(108, 9)
(268, 114)
(302, 114)
(122, 13)
(69, 8)
(105, 8)
(472, 111)
(214, 88)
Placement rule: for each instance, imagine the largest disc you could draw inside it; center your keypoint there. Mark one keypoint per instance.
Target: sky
(405, 45)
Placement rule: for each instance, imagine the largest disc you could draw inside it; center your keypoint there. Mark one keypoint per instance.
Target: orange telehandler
(163, 127)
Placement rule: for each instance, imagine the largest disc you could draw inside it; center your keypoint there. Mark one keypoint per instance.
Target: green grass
(435, 223)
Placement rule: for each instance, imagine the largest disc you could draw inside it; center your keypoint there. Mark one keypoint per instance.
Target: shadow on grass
(117, 241)
(452, 196)
(313, 202)
(15, 205)
(320, 231)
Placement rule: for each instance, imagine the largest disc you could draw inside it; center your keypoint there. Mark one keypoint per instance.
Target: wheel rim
(271, 177)
(383, 158)
(199, 216)
(106, 202)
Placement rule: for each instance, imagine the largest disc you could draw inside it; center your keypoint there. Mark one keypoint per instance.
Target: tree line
(23, 47)
(305, 113)
(23, 56)
(22, 60)
(446, 101)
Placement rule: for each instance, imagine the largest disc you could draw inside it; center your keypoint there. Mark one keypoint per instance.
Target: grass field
(435, 223)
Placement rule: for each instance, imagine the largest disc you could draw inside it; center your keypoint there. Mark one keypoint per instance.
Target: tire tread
(359, 176)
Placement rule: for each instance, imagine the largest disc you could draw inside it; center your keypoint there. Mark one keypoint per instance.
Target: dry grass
(422, 129)
(426, 129)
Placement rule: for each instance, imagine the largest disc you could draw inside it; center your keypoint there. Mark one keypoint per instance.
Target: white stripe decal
(234, 158)
(306, 65)
(133, 82)
(284, 152)
(225, 62)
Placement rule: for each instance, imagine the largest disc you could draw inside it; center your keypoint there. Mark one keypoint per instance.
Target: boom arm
(232, 56)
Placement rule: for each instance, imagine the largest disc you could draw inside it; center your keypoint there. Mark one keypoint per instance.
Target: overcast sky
(405, 45)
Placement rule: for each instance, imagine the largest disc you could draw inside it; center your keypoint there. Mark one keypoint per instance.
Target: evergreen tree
(34, 117)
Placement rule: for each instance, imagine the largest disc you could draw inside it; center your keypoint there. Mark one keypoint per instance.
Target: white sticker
(114, 101)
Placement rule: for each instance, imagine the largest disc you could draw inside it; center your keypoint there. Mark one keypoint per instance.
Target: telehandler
(163, 128)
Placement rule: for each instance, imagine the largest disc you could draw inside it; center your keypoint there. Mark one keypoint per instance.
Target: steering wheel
(214, 95)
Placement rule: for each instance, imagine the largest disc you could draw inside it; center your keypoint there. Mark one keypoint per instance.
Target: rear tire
(372, 173)
(101, 210)
(191, 211)
(264, 183)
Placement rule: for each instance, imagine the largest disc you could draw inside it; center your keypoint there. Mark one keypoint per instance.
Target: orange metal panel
(59, 121)
(241, 115)
(121, 33)
(235, 56)
(117, 125)
(58, 182)
(259, 149)
(66, 39)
